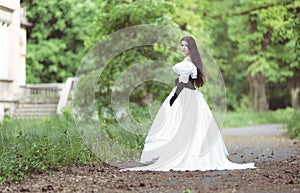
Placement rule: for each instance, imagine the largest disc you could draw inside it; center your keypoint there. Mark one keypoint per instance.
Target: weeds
(35, 145)
(293, 125)
(29, 146)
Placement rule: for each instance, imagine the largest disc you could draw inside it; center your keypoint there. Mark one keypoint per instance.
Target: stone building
(12, 53)
(17, 98)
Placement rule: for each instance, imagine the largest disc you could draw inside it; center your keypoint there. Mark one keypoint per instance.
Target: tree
(112, 16)
(56, 39)
(286, 41)
(252, 26)
(225, 49)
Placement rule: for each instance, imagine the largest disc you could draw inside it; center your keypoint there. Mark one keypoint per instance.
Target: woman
(184, 135)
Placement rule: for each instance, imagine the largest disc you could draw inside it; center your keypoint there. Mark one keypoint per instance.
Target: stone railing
(38, 100)
(35, 100)
(41, 93)
(66, 95)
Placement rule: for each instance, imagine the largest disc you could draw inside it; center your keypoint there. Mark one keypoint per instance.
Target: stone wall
(12, 52)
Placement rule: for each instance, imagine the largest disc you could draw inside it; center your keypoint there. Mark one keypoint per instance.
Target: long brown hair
(196, 59)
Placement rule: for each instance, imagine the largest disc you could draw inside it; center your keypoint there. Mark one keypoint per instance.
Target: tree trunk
(294, 87)
(257, 82)
(258, 92)
(295, 97)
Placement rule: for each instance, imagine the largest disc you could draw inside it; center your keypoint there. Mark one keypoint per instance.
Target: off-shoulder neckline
(186, 61)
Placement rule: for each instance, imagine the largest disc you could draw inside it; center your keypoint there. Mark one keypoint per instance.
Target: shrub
(293, 125)
(36, 145)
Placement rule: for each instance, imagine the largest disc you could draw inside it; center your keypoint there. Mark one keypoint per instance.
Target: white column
(22, 67)
(1, 112)
(3, 50)
(1, 44)
(14, 49)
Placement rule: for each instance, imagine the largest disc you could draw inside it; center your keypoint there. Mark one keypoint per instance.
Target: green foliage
(245, 37)
(187, 191)
(254, 36)
(123, 137)
(293, 125)
(112, 16)
(55, 45)
(237, 119)
(244, 104)
(29, 146)
(188, 15)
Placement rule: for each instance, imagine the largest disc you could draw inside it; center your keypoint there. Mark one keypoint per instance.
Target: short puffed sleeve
(194, 72)
(185, 69)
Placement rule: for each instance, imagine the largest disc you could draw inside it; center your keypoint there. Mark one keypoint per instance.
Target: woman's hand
(173, 99)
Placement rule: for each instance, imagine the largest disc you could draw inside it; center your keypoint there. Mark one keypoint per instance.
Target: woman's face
(184, 48)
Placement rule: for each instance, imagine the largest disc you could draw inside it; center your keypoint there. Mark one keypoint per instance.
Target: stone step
(40, 108)
(34, 116)
(40, 100)
(35, 105)
(34, 110)
(33, 113)
(18, 111)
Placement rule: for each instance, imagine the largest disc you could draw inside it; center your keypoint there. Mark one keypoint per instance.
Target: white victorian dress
(185, 136)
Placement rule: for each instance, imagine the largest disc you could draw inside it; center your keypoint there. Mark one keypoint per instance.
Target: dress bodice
(185, 69)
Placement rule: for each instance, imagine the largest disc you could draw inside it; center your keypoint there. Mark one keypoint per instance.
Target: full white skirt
(185, 136)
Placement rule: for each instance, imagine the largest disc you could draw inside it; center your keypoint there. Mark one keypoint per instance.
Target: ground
(276, 157)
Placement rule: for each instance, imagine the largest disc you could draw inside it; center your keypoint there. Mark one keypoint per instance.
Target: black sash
(180, 86)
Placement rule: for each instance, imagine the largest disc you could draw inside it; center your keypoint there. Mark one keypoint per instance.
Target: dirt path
(277, 159)
(259, 143)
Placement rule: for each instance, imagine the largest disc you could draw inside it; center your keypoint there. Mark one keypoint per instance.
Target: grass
(29, 146)
(238, 119)
(37, 145)
(293, 126)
